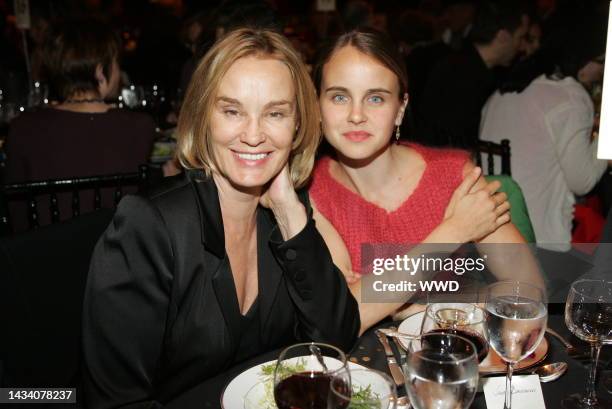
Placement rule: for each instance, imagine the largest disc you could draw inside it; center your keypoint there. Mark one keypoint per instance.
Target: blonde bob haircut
(193, 130)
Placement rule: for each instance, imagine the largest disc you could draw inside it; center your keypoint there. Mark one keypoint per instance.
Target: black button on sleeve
(290, 254)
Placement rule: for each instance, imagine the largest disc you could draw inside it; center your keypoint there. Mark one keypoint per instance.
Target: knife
(396, 372)
(400, 348)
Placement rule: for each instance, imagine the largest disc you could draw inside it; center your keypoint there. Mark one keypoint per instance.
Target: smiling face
(253, 122)
(360, 104)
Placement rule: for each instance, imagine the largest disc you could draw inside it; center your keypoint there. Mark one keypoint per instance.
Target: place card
(526, 392)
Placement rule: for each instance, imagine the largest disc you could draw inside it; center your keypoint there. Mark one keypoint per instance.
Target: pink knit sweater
(359, 221)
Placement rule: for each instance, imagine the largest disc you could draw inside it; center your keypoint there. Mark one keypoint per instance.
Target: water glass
(516, 314)
(441, 372)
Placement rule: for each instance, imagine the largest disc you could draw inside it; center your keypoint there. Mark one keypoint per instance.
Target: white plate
(412, 326)
(234, 393)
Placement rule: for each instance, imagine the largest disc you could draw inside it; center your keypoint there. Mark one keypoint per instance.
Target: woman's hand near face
(475, 210)
(280, 197)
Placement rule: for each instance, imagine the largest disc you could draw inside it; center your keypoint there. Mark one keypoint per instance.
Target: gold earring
(397, 134)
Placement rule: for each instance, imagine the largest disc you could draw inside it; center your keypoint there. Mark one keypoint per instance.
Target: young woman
(377, 191)
(223, 263)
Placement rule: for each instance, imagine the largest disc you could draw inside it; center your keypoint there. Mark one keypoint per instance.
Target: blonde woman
(225, 262)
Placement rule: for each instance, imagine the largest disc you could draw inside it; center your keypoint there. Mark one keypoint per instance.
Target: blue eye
(340, 99)
(376, 99)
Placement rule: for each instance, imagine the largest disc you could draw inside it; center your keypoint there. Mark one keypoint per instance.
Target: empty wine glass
(515, 321)
(588, 315)
(441, 372)
(370, 389)
(303, 375)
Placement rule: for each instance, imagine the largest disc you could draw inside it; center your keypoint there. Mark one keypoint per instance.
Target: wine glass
(441, 372)
(304, 373)
(465, 319)
(370, 389)
(515, 321)
(588, 315)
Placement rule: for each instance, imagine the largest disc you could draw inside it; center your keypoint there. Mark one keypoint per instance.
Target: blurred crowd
(160, 40)
(526, 58)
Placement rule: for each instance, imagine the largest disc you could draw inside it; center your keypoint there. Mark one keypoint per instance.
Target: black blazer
(160, 310)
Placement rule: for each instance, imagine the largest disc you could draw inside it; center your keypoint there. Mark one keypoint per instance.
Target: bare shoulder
(333, 240)
(412, 161)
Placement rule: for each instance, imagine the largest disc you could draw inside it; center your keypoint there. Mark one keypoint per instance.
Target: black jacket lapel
(213, 238)
(270, 274)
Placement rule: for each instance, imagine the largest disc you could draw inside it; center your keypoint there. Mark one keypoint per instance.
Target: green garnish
(363, 397)
(268, 370)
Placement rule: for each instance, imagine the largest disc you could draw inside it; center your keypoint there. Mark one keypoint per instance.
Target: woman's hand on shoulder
(476, 209)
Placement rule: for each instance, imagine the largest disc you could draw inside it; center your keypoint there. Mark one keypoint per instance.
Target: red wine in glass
(307, 390)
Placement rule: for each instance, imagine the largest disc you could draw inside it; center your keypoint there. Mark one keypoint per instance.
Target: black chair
(42, 279)
(30, 193)
(490, 150)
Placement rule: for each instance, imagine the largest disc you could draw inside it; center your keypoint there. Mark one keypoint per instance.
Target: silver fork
(571, 350)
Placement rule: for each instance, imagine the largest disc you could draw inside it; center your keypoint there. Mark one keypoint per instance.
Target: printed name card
(526, 392)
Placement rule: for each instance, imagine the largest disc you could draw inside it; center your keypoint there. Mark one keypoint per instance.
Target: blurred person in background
(546, 112)
(457, 17)
(533, 40)
(200, 31)
(81, 135)
(448, 113)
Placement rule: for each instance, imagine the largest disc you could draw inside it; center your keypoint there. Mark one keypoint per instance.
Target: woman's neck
(88, 102)
(373, 174)
(238, 206)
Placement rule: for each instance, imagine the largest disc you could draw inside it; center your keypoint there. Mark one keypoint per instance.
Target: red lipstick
(357, 136)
